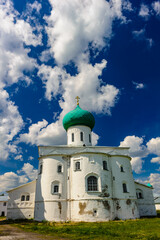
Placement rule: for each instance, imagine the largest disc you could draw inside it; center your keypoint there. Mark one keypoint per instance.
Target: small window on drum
(59, 168)
(77, 166)
(72, 137)
(23, 198)
(27, 198)
(89, 138)
(40, 169)
(81, 136)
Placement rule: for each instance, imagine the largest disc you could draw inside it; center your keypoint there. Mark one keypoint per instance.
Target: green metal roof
(78, 117)
(149, 185)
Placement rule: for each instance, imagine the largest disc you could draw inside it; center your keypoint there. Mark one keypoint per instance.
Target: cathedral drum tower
(81, 182)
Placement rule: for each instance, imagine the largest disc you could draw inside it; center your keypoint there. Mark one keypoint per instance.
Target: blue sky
(106, 52)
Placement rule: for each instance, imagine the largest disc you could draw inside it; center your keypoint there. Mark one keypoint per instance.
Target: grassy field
(145, 229)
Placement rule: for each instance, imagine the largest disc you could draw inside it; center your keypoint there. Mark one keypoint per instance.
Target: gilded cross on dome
(77, 100)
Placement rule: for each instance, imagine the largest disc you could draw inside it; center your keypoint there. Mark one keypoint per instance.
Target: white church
(81, 182)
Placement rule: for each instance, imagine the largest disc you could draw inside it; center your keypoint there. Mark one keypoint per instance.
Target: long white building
(81, 182)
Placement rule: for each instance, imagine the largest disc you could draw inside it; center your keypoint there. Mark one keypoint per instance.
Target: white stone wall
(3, 208)
(18, 209)
(74, 202)
(76, 130)
(109, 201)
(48, 205)
(146, 204)
(125, 203)
(84, 203)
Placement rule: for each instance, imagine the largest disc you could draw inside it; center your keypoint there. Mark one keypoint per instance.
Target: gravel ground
(9, 232)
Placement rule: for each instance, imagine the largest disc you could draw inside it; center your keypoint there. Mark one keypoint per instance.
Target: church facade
(81, 182)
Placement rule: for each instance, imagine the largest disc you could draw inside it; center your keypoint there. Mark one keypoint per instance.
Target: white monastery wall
(145, 201)
(18, 208)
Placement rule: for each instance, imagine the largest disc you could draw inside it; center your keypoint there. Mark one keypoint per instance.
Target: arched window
(77, 166)
(27, 198)
(139, 193)
(55, 187)
(124, 187)
(72, 137)
(2, 214)
(105, 165)
(90, 138)
(81, 136)
(121, 168)
(92, 183)
(59, 168)
(40, 169)
(23, 198)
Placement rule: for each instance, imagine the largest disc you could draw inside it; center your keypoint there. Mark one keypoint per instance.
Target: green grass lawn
(146, 228)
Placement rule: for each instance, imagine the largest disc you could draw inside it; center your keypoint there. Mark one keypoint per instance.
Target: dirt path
(9, 232)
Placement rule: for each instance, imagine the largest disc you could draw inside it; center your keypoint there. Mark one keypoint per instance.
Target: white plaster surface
(3, 205)
(146, 205)
(74, 202)
(76, 130)
(18, 209)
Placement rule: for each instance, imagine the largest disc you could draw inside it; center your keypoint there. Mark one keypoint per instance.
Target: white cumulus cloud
(74, 28)
(95, 96)
(11, 180)
(155, 160)
(74, 25)
(144, 11)
(137, 151)
(154, 180)
(154, 146)
(156, 7)
(10, 124)
(14, 59)
(29, 171)
(15, 35)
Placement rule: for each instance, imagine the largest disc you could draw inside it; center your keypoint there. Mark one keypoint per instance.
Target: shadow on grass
(10, 221)
(26, 221)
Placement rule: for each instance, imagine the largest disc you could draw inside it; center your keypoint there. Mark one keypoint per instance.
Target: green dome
(78, 117)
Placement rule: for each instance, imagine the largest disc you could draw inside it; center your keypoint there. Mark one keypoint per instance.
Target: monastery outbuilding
(81, 182)
(3, 205)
